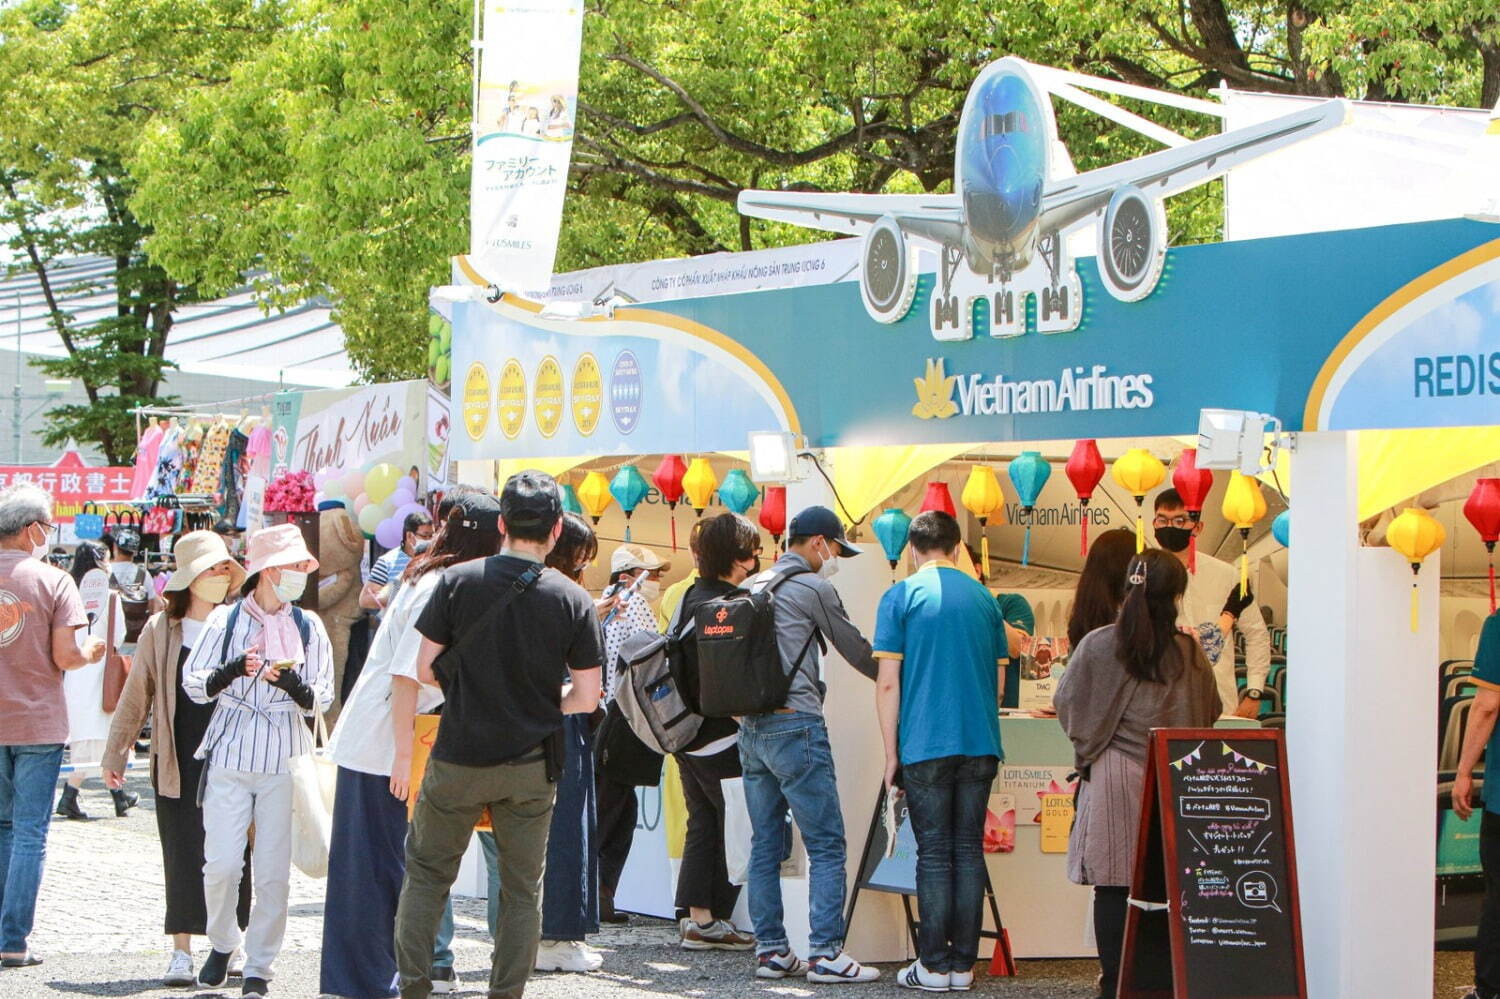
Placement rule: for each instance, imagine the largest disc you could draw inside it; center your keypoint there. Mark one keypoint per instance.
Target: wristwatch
(1255, 695)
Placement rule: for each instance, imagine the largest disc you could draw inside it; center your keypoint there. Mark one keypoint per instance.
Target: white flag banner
(523, 137)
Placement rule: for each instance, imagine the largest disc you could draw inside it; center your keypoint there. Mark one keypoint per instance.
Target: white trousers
(231, 802)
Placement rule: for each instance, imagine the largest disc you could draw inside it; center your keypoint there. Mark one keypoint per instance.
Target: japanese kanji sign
(73, 483)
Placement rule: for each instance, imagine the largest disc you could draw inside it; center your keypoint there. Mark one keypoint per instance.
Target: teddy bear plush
(340, 547)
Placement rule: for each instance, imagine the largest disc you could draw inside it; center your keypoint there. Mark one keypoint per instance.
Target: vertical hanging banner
(526, 104)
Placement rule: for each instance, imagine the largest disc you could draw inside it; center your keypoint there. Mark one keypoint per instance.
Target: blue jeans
(946, 800)
(28, 776)
(788, 764)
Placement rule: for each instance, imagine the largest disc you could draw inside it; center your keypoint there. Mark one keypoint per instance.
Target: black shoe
(124, 801)
(255, 987)
(607, 913)
(215, 969)
(67, 805)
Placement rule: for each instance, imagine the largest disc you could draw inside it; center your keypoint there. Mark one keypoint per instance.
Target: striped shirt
(256, 727)
(389, 566)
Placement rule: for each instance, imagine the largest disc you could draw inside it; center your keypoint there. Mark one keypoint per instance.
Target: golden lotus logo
(476, 400)
(549, 396)
(935, 393)
(510, 399)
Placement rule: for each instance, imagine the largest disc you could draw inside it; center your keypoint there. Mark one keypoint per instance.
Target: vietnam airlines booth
(1378, 350)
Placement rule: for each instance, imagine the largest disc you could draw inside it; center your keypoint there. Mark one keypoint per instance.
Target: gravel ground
(100, 913)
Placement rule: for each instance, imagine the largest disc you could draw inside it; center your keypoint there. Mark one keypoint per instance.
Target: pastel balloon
(388, 533)
(360, 502)
(407, 485)
(380, 481)
(354, 482)
(334, 488)
(406, 510)
(369, 520)
(322, 475)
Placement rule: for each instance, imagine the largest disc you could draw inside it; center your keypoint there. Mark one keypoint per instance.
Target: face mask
(649, 590)
(830, 566)
(40, 551)
(211, 588)
(1173, 539)
(291, 585)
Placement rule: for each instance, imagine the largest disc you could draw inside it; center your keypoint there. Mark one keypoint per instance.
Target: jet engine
(1132, 244)
(887, 272)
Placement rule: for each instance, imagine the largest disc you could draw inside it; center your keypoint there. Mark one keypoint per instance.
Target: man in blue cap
(787, 761)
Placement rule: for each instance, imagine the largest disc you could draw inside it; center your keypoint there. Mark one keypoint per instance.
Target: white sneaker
(961, 981)
(914, 976)
(237, 964)
(784, 964)
(567, 955)
(180, 971)
(840, 970)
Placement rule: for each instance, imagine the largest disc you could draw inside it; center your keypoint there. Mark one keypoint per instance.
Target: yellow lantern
(594, 494)
(699, 484)
(982, 497)
(1244, 504)
(1138, 471)
(1416, 535)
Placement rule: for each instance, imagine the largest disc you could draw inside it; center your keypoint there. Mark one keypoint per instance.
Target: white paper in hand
(892, 803)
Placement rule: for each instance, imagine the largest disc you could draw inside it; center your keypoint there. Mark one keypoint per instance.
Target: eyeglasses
(1181, 520)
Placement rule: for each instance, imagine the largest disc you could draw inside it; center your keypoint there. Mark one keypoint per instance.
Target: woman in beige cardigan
(205, 575)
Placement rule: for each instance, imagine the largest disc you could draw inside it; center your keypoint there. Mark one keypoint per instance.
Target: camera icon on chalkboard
(1257, 891)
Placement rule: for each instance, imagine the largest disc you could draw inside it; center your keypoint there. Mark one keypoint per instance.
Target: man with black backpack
(783, 742)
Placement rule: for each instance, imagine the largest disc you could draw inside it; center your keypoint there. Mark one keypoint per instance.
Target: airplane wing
(1069, 199)
(938, 217)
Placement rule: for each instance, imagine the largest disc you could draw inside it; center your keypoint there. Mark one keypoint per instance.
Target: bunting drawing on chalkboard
(1244, 760)
(1193, 757)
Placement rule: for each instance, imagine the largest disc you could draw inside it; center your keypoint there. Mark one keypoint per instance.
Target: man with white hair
(39, 611)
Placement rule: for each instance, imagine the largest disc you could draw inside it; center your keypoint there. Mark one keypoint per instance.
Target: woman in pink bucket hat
(266, 664)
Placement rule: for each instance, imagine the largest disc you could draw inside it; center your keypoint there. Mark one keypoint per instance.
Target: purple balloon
(405, 490)
(388, 534)
(405, 510)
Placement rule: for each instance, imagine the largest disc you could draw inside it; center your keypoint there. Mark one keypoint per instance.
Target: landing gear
(1003, 309)
(944, 302)
(1052, 300)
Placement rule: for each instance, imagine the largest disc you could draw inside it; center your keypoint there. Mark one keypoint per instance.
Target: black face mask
(1174, 539)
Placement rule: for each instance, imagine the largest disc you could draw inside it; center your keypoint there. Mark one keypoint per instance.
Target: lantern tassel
(1192, 553)
(984, 553)
(1083, 530)
(1140, 529)
(673, 517)
(627, 528)
(1492, 586)
(1026, 547)
(1414, 603)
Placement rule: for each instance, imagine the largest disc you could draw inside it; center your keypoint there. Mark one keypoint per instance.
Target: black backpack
(740, 671)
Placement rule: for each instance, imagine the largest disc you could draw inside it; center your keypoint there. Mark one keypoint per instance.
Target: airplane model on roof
(1000, 235)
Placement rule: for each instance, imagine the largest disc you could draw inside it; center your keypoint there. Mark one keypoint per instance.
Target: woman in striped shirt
(267, 664)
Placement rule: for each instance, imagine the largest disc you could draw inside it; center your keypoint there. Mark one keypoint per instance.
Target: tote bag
(314, 778)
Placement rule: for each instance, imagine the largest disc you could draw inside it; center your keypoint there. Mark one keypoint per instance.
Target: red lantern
(1193, 484)
(773, 512)
(1085, 469)
(938, 498)
(668, 481)
(1482, 508)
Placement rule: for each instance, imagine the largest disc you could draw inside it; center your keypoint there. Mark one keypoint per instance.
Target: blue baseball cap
(821, 522)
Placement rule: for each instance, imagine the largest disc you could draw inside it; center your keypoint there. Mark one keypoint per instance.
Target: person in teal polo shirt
(1481, 733)
(941, 641)
(1017, 612)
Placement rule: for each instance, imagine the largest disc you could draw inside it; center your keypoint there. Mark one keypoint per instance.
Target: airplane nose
(1006, 206)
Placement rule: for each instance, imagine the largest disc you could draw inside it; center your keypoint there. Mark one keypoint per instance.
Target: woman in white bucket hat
(267, 664)
(205, 576)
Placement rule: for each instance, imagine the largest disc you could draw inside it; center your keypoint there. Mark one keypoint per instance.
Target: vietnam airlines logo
(935, 393)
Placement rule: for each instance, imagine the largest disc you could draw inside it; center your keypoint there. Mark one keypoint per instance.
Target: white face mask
(40, 551)
(650, 590)
(830, 567)
(290, 586)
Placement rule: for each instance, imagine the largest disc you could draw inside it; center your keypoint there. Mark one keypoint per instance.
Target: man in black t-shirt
(506, 688)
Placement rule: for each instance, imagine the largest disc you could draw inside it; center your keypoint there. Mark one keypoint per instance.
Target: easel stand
(898, 876)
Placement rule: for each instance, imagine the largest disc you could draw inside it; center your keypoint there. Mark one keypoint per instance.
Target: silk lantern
(628, 488)
(1193, 484)
(737, 491)
(773, 512)
(1416, 535)
(570, 502)
(668, 481)
(595, 495)
(938, 498)
(981, 497)
(1281, 528)
(1029, 472)
(892, 529)
(1138, 471)
(699, 483)
(1482, 508)
(1085, 468)
(1244, 504)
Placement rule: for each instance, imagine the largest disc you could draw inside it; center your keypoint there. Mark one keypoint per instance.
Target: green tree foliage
(82, 82)
(336, 157)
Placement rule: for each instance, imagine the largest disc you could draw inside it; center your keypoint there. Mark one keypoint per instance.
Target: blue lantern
(628, 488)
(570, 500)
(1029, 472)
(891, 529)
(737, 491)
(1281, 528)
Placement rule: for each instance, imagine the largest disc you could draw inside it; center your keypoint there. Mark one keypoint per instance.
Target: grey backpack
(647, 692)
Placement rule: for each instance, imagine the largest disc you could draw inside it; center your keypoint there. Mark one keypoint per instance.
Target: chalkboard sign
(1213, 903)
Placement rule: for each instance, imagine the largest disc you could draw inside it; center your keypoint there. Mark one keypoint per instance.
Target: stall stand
(1333, 333)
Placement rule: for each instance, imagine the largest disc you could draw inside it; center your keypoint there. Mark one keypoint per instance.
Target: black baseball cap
(530, 502)
(821, 522)
(478, 511)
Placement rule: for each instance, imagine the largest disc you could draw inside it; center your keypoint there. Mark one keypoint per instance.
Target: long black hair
(88, 555)
(1101, 584)
(1147, 626)
(454, 543)
(577, 545)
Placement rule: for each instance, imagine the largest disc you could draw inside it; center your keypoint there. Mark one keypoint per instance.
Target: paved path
(101, 911)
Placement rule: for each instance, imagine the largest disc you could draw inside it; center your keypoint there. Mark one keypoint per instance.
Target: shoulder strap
(778, 578)
(234, 617)
(304, 627)
(476, 630)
